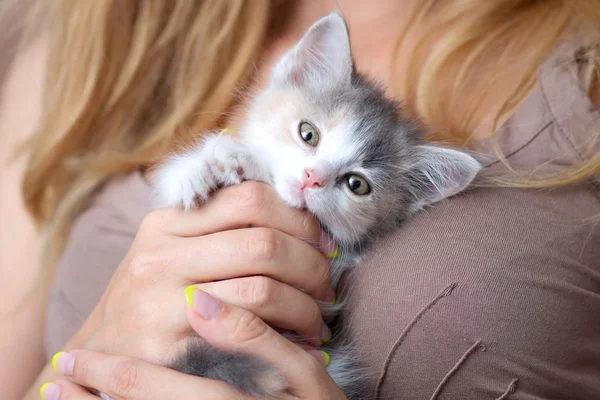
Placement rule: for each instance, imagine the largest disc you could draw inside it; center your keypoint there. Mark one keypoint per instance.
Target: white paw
(227, 160)
(188, 179)
(184, 181)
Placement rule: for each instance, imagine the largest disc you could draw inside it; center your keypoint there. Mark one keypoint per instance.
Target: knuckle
(263, 244)
(248, 328)
(253, 197)
(124, 378)
(256, 291)
(149, 264)
(156, 219)
(143, 267)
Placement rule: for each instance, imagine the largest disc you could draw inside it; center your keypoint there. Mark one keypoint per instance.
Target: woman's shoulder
(495, 290)
(554, 127)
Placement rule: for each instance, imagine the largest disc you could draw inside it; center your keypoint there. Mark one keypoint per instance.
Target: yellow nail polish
(334, 253)
(42, 388)
(334, 298)
(226, 131)
(55, 360)
(328, 338)
(327, 358)
(189, 295)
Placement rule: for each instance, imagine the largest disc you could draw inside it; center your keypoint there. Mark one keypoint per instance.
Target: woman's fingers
(247, 205)
(272, 253)
(235, 329)
(275, 303)
(66, 390)
(126, 378)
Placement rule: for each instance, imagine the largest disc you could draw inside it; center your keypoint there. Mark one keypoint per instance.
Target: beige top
(493, 294)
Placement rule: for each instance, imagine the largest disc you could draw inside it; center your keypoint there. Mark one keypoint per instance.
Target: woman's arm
(24, 296)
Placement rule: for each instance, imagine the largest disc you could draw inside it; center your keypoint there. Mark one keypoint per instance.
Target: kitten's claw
(227, 160)
(188, 179)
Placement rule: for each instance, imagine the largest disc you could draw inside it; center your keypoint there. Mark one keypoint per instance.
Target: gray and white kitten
(329, 141)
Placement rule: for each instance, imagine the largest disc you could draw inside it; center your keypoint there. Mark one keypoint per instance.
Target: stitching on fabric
(564, 133)
(456, 366)
(512, 387)
(526, 143)
(443, 293)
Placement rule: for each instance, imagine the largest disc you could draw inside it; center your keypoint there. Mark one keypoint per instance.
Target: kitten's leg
(187, 180)
(248, 374)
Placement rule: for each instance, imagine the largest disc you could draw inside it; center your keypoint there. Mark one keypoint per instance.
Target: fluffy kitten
(329, 141)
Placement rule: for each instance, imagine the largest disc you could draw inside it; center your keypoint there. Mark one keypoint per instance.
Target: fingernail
(329, 247)
(322, 356)
(226, 131)
(202, 303)
(63, 362)
(330, 296)
(325, 333)
(49, 391)
(189, 295)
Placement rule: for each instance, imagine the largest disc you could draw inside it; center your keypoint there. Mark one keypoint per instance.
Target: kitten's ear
(439, 173)
(322, 57)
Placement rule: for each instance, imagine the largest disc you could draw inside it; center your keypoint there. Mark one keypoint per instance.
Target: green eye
(358, 185)
(308, 133)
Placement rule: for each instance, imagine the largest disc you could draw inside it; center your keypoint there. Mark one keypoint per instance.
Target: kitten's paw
(188, 179)
(184, 181)
(230, 163)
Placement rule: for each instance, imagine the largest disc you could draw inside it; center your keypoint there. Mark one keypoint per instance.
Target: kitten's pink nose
(312, 179)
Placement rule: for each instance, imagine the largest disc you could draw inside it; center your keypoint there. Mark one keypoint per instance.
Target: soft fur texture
(360, 133)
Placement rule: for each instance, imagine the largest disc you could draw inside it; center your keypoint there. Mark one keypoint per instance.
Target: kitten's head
(340, 148)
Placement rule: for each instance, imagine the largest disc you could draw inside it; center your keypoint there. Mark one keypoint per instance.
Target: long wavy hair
(127, 79)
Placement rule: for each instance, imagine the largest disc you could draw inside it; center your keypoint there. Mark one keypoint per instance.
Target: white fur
(189, 178)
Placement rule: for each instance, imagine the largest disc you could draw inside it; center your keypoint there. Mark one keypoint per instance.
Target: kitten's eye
(358, 185)
(308, 133)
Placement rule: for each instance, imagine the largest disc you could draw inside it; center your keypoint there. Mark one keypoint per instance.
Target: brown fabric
(494, 294)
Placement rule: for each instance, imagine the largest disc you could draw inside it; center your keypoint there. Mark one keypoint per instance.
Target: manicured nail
(189, 295)
(63, 362)
(335, 253)
(202, 303)
(322, 356)
(329, 247)
(325, 333)
(226, 131)
(49, 391)
(330, 296)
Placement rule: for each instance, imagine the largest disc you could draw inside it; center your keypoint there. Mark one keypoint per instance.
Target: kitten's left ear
(322, 58)
(439, 173)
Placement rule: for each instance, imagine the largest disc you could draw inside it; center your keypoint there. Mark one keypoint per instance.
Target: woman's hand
(227, 327)
(245, 247)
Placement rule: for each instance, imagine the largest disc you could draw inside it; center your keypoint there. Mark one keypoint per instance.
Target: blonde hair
(127, 79)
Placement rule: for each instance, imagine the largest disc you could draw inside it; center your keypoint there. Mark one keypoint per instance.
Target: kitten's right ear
(321, 59)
